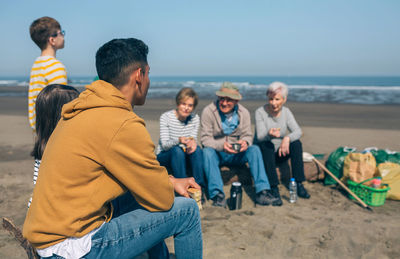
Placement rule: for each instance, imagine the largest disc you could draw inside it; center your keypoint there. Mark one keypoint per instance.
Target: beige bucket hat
(229, 90)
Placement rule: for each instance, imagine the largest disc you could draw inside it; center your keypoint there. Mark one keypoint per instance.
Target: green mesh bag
(382, 156)
(393, 157)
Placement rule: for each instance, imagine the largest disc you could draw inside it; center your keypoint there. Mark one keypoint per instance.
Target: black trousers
(271, 158)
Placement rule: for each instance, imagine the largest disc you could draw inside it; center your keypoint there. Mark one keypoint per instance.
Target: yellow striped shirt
(45, 70)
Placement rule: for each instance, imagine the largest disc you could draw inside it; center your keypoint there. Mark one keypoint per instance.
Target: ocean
(330, 89)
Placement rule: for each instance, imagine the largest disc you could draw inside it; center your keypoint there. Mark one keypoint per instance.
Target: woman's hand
(183, 140)
(275, 132)
(284, 148)
(181, 185)
(191, 146)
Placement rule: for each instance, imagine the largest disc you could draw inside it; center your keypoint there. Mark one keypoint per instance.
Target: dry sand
(328, 225)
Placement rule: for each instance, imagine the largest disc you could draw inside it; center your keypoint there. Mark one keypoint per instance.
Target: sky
(219, 37)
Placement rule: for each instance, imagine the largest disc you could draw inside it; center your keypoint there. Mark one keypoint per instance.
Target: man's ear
(139, 76)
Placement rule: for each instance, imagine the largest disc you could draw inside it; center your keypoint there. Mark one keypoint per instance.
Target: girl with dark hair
(48, 108)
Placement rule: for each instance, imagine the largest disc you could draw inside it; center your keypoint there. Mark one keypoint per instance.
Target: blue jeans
(214, 159)
(177, 160)
(133, 230)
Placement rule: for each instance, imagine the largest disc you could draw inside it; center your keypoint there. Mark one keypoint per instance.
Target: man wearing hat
(225, 122)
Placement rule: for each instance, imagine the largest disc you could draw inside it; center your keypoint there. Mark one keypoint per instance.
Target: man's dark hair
(118, 58)
(41, 30)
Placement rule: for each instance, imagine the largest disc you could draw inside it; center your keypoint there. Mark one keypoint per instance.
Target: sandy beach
(328, 225)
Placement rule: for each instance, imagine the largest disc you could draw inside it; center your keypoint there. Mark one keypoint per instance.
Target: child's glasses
(58, 33)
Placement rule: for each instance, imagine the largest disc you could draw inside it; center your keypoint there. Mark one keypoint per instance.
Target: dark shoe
(264, 198)
(275, 193)
(302, 192)
(219, 200)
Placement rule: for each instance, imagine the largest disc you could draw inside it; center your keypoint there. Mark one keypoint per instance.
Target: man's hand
(244, 145)
(181, 185)
(284, 148)
(275, 132)
(228, 148)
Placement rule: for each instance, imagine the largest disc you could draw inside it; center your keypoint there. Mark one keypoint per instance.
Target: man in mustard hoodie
(101, 192)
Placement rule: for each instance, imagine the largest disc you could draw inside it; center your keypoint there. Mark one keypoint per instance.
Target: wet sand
(328, 225)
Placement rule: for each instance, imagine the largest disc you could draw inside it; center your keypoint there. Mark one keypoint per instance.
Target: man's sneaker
(264, 198)
(219, 200)
(275, 193)
(302, 192)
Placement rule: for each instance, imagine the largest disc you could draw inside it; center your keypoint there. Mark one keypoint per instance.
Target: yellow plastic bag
(359, 167)
(390, 173)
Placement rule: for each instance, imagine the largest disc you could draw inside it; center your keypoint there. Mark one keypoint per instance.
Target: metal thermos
(236, 196)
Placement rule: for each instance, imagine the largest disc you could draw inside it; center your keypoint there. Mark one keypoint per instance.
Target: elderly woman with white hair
(278, 136)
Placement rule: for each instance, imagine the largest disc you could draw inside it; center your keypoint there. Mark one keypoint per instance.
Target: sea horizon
(331, 89)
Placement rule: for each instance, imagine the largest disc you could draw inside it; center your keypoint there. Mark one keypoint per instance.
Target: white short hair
(278, 87)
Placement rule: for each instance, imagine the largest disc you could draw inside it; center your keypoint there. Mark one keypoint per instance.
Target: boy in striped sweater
(47, 34)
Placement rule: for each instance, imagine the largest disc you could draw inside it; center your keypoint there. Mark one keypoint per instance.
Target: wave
(345, 87)
(302, 89)
(9, 82)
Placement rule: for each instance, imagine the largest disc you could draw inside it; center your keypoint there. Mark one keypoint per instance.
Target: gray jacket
(212, 134)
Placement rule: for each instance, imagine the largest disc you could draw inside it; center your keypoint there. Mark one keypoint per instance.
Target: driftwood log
(16, 232)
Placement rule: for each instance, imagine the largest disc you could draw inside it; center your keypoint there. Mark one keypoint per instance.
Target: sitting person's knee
(296, 144)
(198, 152)
(177, 152)
(267, 144)
(254, 149)
(208, 151)
(186, 204)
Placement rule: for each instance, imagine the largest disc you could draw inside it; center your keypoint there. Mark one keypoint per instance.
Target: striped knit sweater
(46, 70)
(35, 176)
(171, 129)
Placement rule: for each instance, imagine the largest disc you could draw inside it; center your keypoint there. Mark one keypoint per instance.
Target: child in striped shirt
(47, 34)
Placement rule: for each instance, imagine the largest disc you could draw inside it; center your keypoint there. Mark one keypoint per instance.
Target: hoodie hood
(98, 94)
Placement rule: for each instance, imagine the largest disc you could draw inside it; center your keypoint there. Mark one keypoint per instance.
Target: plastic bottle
(376, 183)
(293, 191)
